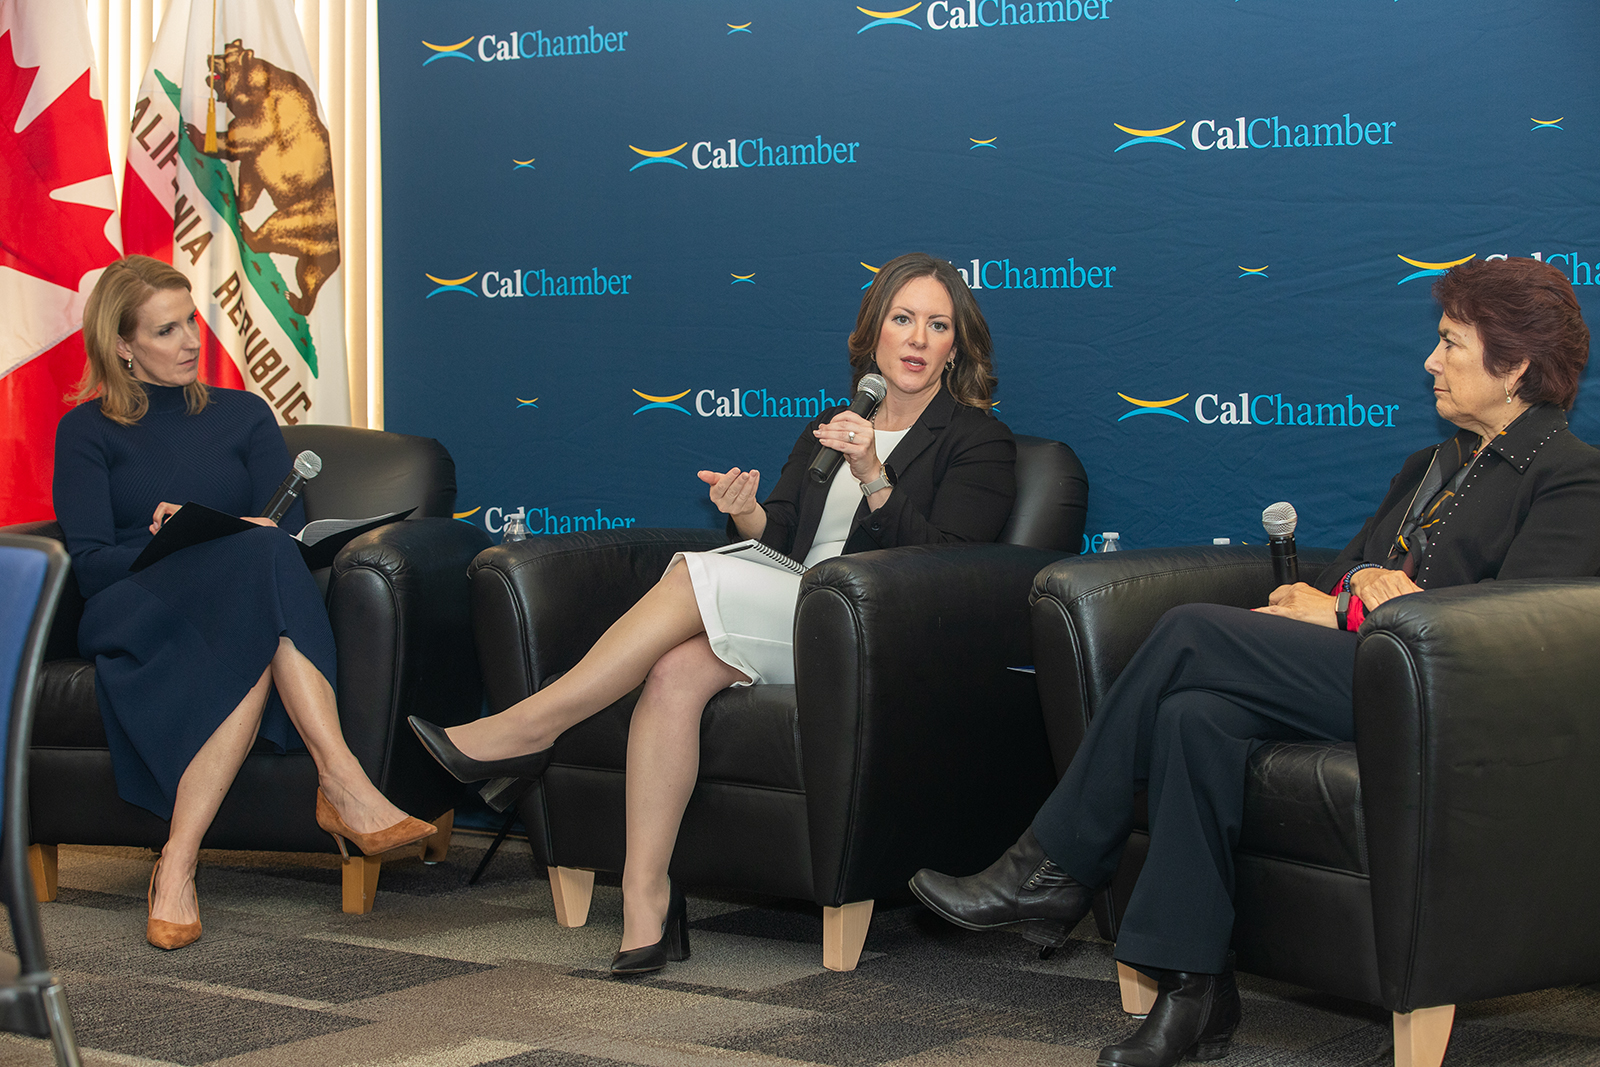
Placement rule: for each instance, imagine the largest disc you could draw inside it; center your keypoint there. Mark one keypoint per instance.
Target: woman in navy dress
(199, 653)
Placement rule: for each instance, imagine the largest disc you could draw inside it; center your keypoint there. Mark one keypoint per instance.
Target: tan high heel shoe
(165, 935)
(407, 831)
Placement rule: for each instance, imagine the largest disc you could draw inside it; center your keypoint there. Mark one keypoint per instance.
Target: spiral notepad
(756, 552)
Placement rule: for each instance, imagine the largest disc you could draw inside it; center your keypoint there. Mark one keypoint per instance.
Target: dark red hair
(1523, 310)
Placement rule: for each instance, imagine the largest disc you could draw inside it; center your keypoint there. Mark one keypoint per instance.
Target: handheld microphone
(307, 465)
(1279, 520)
(870, 392)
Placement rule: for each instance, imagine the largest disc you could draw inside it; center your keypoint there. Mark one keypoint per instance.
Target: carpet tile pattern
(443, 974)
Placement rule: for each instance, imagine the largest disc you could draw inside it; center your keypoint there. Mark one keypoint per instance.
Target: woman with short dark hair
(1513, 494)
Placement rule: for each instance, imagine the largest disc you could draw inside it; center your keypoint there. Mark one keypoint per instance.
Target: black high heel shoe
(510, 777)
(673, 946)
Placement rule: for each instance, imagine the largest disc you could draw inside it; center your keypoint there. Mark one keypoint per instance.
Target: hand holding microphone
(307, 465)
(870, 392)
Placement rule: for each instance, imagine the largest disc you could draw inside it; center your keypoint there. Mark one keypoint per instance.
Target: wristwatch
(1341, 608)
(884, 480)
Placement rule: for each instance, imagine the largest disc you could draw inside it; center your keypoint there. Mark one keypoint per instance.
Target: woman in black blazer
(932, 465)
(1513, 494)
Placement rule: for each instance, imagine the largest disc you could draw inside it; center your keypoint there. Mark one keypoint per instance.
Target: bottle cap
(1221, 541)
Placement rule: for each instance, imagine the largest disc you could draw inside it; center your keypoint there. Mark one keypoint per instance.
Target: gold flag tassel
(211, 96)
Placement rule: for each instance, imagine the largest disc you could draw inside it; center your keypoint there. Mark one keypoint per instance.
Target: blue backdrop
(627, 240)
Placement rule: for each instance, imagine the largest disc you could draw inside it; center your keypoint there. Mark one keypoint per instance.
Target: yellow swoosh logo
(1149, 133)
(1152, 403)
(741, 277)
(522, 162)
(658, 155)
(1436, 266)
(450, 281)
(466, 514)
(731, 26)
(890, 14)
(991, 140)
(1247, 270)
(869, 266)
(448, 48)
(1548, 122)
(661, 399)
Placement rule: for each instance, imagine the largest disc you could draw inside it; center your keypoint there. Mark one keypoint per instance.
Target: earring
(950, 364)
(129, 361)
(1508, 392)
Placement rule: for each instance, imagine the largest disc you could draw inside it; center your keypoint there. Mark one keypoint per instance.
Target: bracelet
(1351, 572)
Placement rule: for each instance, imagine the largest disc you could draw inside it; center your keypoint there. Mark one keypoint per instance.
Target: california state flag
(58, 230)
(230, 179)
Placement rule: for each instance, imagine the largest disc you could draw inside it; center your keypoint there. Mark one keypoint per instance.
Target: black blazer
(955, 480)
(1530, 508)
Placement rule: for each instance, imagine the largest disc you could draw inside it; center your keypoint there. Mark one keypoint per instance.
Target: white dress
(748, 608)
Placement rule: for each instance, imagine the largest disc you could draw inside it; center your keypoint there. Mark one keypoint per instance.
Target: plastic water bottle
(1111, 542)
(515, 529)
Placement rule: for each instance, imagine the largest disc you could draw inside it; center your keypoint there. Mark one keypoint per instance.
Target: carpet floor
(442, 974)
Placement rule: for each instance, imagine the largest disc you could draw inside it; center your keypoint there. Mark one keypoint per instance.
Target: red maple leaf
(63, 145)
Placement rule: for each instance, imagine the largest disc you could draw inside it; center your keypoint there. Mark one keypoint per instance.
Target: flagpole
(211, 96)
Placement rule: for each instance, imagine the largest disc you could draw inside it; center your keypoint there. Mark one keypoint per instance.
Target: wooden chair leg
(360, 883)
(42, 863)
(435, 848)
(1138, 990)
(571, 889)
(1420, 1036)
(844, 931)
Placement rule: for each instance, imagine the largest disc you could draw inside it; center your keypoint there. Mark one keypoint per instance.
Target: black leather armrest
(538, 605)
(63, 640)
(919, 746)
(1478, 737)
(1091, 614)
(399, 600)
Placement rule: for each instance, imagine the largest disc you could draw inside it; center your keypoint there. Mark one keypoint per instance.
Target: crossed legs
(309, 699)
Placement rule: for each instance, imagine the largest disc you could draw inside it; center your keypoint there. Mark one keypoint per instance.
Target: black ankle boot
(1021, 891)
(1194, 1014)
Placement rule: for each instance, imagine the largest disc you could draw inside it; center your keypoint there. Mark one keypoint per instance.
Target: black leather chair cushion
(1052, 496)
(66, 688)
(748, 736)
(373, 470)
(1302, 802)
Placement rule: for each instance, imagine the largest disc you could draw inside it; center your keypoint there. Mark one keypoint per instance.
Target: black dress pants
(1208, 687)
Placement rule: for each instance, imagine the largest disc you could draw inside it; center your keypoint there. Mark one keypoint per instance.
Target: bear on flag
(229, 178)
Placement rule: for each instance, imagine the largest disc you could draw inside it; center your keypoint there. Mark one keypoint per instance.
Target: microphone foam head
(1279, 519)
(874, 385)
(308, 464)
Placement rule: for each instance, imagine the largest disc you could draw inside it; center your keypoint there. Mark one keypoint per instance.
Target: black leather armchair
(1449, 853)
(398, 601)
(904, 741)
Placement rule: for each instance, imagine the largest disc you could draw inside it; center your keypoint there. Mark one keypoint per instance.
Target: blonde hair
(111, 313)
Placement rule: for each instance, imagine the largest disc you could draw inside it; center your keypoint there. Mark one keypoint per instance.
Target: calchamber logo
(532, 282)
(532, 44)
(740, 402)
(543, 520)
(749, 153)
(1266, 409)
(1264, 133)
(987, 14)
(1579, 271)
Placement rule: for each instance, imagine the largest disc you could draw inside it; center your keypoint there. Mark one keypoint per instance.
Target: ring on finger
(850, 436)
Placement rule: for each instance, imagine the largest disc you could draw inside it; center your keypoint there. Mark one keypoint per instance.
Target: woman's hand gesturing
(734, 494)
(851, 436)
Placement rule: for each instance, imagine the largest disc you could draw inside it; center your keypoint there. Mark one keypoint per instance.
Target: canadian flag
(58, 231)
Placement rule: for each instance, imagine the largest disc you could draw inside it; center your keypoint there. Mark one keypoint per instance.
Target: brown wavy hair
(972, 381)
(1523, 310)
(112, 312)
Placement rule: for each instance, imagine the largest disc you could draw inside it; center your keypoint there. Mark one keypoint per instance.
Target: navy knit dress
(178, 645)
